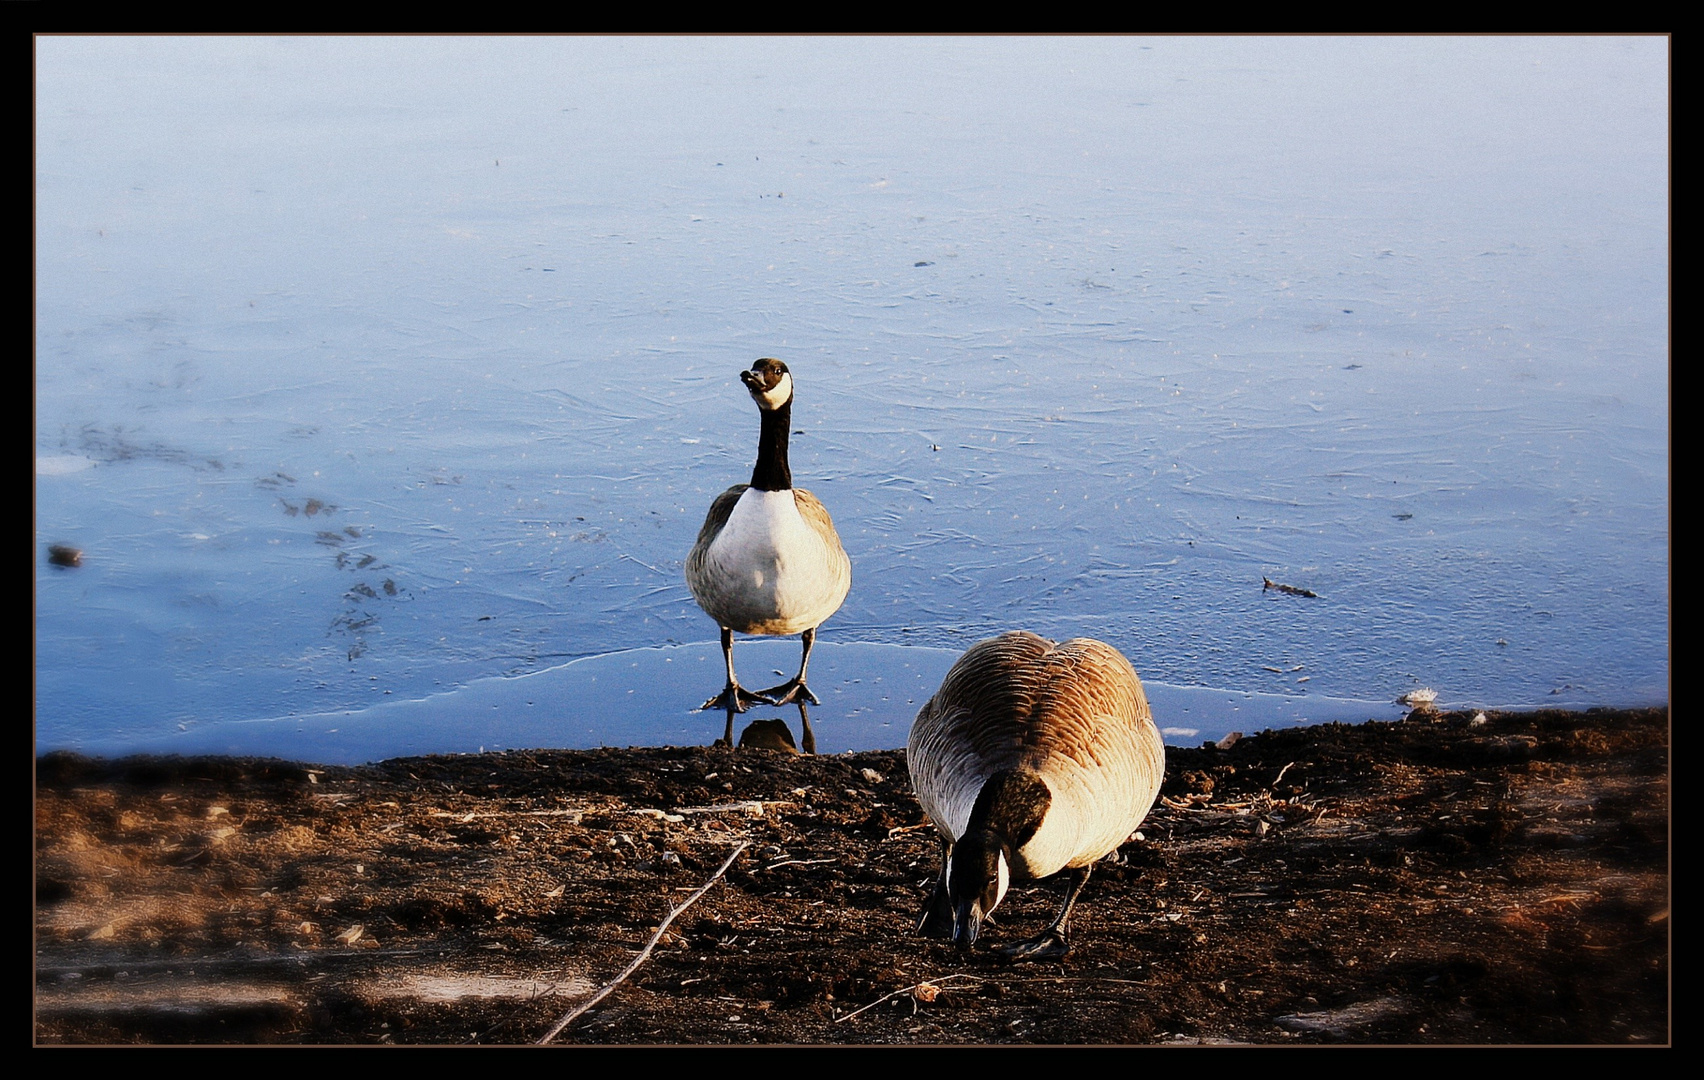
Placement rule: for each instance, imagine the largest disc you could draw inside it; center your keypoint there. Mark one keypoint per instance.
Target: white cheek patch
(778, 395)
(1005, 878)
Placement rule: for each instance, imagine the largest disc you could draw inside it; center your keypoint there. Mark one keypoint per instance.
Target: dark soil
(1432, 881)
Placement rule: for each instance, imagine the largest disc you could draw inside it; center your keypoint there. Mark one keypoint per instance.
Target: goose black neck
(1011, 804)
(771, 472)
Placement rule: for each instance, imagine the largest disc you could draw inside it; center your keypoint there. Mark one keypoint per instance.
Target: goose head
(977, 875)
(770, 383)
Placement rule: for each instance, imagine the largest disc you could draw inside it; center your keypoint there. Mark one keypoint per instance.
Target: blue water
(379, 372)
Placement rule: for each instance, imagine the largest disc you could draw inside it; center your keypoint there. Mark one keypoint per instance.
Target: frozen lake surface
(384, 383)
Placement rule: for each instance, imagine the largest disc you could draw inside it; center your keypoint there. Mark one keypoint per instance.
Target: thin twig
(799, 862)
(1280, 775)
(1190, 804)
(900, 830)
(505, 813)
(646, 951)
(646, 565)
(906, 990)
(754, 807)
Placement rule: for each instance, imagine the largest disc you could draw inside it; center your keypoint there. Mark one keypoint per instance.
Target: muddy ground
(1431, 881)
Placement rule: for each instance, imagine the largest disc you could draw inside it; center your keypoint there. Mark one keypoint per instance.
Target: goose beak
(769, 383)
(967, 920)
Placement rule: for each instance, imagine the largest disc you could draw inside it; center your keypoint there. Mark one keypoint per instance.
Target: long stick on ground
(643, 953)
(904, 990)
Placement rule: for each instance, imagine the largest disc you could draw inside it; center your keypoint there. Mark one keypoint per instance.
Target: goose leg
(794, 689)
(727, 738)
(734, 697)
(1052, 943)
(937, 920)
(807, 741)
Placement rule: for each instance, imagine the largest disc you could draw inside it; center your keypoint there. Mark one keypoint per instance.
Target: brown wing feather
(1020, 700)
(816, 516)
(984, 706)
(720, 509)
(718, 516)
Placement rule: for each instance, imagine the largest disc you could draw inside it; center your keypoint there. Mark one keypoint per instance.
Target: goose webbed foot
(1050, 944)
(736, 699)
(790, 691)
(794, 689)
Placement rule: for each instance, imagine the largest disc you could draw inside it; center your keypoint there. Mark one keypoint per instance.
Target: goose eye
(768, 372)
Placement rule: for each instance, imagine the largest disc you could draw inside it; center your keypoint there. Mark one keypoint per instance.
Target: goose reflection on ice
(772, 734)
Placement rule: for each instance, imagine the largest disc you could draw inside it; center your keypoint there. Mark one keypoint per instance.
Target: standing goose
(768, 560)
(1032, 757)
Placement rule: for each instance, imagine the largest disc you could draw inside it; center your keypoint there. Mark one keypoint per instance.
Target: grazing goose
(768, 560)
(1031, 758)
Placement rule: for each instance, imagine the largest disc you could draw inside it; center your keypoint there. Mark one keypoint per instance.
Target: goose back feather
(1073, 714)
